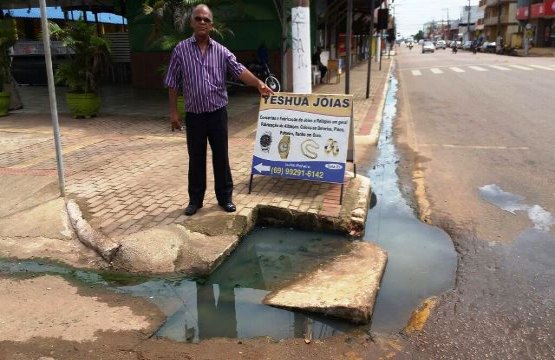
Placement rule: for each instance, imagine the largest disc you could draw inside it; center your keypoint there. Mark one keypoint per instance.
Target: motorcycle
(261, 71)
(454, 49)
(410, 46)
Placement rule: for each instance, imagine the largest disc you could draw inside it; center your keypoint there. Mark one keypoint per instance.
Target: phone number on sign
(292, 172)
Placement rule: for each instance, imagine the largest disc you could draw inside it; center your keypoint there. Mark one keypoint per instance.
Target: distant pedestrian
(318, 62)
(199, 65)
(499, 44)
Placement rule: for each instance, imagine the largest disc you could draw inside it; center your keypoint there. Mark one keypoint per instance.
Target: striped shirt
(202, 77)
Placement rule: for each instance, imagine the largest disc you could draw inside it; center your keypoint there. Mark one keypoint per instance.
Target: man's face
(202, 22)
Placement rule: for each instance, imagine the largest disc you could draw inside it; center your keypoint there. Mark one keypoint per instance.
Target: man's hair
(198, 7)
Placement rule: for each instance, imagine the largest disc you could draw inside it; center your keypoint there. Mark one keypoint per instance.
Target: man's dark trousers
(211, 126)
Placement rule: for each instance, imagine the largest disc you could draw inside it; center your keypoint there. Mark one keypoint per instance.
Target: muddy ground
(56, 319)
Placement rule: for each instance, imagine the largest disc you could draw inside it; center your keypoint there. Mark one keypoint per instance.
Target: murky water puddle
(530, 256)
(421, 258)
(421, 263)
(542, 219)
(229, 302)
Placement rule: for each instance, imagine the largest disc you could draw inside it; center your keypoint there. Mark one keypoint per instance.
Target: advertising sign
(303, 136)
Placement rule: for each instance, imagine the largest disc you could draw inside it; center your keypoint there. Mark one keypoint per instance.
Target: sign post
(304, 136)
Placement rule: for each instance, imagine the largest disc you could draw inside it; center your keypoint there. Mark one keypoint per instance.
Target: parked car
(488, 47)
(441, 44)
(428, 46)
(467, 45)
(458, 44)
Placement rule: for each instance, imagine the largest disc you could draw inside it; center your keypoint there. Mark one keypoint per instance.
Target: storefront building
(540, 15)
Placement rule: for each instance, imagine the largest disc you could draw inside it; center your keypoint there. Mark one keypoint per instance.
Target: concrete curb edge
(92, 238)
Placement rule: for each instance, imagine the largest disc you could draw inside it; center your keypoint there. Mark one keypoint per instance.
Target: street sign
(303, 136)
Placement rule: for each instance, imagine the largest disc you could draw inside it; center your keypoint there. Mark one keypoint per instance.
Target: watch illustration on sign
(266, 141)
(283, 146)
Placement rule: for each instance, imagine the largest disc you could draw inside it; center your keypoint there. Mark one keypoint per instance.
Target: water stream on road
(421, 258)
(421, 263)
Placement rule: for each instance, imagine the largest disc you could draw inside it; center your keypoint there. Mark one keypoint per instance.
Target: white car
(441, 44)
(428, 46)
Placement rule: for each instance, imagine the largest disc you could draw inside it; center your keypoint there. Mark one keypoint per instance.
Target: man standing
(199, 66)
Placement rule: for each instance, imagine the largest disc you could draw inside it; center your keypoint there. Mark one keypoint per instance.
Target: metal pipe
(52, 97)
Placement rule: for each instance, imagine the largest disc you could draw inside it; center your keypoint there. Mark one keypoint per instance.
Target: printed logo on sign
(334, 166)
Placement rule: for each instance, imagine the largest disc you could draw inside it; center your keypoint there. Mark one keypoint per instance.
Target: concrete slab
(47, 220)
(344, 288)
(150, 251)
(170, 249)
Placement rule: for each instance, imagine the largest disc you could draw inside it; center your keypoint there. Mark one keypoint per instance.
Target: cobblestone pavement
(128, 172)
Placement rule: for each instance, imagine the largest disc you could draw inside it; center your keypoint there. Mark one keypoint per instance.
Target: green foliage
(8, 37)
(419, 35)
(172, 19)
(90, 57)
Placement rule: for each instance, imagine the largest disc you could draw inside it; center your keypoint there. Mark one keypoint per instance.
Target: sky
(56, 13)
(410, 15)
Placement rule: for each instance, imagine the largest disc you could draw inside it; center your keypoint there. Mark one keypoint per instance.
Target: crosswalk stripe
(521, 67)
(542, 67)
(499, 67)
(478, 68)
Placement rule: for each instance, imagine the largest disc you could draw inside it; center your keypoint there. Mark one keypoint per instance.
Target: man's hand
(248, 78)
(176, 123)
(264, 90)
(174, 117)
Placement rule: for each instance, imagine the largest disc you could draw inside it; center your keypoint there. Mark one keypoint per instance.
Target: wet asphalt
(503, 305)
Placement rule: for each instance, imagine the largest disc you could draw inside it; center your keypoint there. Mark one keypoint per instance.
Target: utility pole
(300, 34)
(372, 5)
(448, 25)
(349, 34)
(468, 22)
(527, 29)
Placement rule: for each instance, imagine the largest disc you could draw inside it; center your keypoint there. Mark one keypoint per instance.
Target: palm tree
(89, 58)
(171, 18)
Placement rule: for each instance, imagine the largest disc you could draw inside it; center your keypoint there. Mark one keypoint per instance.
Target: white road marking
(499, 67)
(456, 69)
(478, 147)
(478, 68)
(521, 67)
(542, 67)
(436, 71)
(416, 72)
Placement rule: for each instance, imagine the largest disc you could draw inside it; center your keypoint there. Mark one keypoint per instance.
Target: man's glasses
(203, 19)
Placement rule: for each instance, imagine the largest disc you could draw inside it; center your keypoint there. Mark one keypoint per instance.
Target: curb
(92, 238)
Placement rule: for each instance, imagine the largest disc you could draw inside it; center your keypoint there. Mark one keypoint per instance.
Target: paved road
(478, 132)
